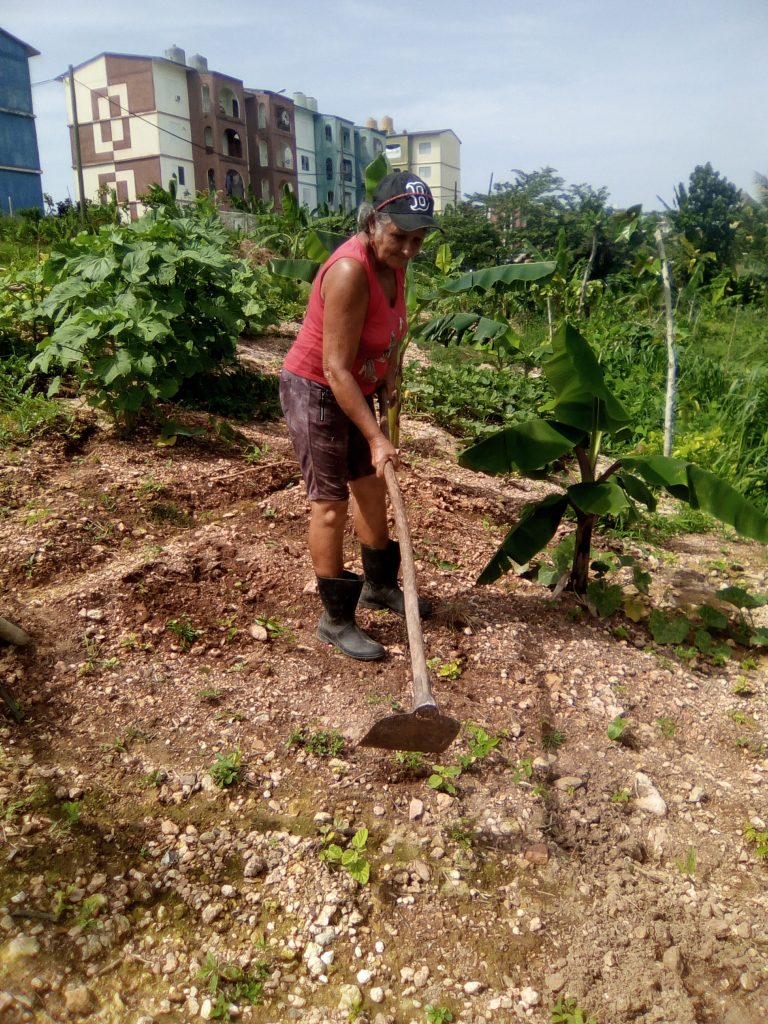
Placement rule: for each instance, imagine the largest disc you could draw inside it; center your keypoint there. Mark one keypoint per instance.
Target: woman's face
(394, 247)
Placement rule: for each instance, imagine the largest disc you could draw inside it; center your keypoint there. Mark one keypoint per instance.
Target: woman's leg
(326, 537)
(370, 511)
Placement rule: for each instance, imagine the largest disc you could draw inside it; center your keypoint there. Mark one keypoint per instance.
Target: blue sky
(626, 94)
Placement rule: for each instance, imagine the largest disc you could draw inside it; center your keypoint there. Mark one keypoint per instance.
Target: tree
(707, 215)
(471, 235)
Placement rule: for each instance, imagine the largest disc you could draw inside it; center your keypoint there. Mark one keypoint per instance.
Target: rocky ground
(169, 598)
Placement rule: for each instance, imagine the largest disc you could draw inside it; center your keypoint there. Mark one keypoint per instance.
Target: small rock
(350, 997)
(379, 811)
(749, 981)
(672, 959)
(444, 801)
(697, 795)
(77, 999)
(169, 828)
(421, 976)
(535, 924)
(364, 976)
(259, 633)
(211, 912)
(376, 995)
(566, 782)
(22, 945)
(471, 988)
(554, 982)
(648, 797)
(530, 997)
(415, 809)
(422, 870)
(206, 1009)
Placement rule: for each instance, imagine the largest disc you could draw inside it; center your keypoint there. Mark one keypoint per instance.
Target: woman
(346, 350)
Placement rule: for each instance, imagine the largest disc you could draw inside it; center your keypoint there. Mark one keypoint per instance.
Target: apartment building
(434, 155)
(20, 182)
(271, 133)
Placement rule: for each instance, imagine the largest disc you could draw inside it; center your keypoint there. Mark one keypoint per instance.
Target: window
(393, 152)
(228, 104)
(346, 166)
(181, 176)
(329, 169)
(425, 171)
(286, 158)
(235, 107)
(306, 197)
(425, 148)
(234, 185)
(206, 95)
(231, 144)
(262, 116)
(282, 119)
(377, 146)
(211, 179)
(304, 163)
(330, 198)
(345, 138)
(208, 139)
(266, 194)
(328, 133)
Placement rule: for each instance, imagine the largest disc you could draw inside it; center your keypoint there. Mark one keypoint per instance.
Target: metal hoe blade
(424, 728)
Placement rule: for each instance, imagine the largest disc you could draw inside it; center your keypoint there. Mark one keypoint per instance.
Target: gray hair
(367, 210)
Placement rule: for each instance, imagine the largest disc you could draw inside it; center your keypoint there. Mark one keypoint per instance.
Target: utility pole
(78, 154)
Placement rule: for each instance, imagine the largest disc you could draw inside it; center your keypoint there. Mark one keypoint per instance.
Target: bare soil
(169, 596)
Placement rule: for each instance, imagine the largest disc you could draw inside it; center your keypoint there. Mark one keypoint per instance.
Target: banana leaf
(599, 498)
(636, 489)
(509, 273)
(534, 531)
(525, 446)
(702, 490)
(318, 245)
(582, 398)
(297, 270)
(374, 172)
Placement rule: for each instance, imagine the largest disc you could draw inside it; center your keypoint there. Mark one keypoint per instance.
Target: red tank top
(384, 326)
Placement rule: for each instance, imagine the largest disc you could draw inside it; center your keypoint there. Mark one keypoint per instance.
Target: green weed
(226, 770)
(321, 743)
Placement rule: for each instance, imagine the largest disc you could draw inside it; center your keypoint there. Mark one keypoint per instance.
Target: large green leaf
(525, 446)
(713, 495)
(509, 273)
(661, 471)
(703, 490)
(298, 270)
(582, 397)
(318, 245)
(536, 528)
(601, 498)
(636, 489)
(374, 172)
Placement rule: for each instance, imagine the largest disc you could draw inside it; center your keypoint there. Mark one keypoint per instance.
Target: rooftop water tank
(300, 99)
(387, 124)
(312, 103)
(198, 62)
(176, 54)
(371, 123)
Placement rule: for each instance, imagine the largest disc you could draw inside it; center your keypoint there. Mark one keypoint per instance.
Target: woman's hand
(383, 452)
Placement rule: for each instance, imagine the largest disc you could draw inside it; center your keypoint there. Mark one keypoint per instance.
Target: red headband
(403, 195)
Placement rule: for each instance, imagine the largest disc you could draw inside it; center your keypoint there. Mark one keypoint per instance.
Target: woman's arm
(345, 296)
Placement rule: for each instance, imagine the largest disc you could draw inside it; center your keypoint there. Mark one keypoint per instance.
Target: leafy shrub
(138, 309)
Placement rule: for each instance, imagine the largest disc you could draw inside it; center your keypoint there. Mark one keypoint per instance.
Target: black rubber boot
(380, 590)
(337, 624)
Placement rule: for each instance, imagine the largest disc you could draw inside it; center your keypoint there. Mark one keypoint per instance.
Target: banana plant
(583, 411)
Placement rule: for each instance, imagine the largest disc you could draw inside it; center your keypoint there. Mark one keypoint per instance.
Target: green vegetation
(226, 770)
(230, 984)
(323, 743)
(567, 1011)
(347, 852)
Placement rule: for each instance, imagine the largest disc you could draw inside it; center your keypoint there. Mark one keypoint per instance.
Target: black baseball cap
(407, 200)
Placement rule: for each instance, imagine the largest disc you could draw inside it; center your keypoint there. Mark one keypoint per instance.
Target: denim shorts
(330, 448)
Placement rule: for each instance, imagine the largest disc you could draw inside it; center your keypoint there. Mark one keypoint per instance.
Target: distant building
(135, 127)
(20, 184)
(333, 153)
(272, 145)
(434, 155)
